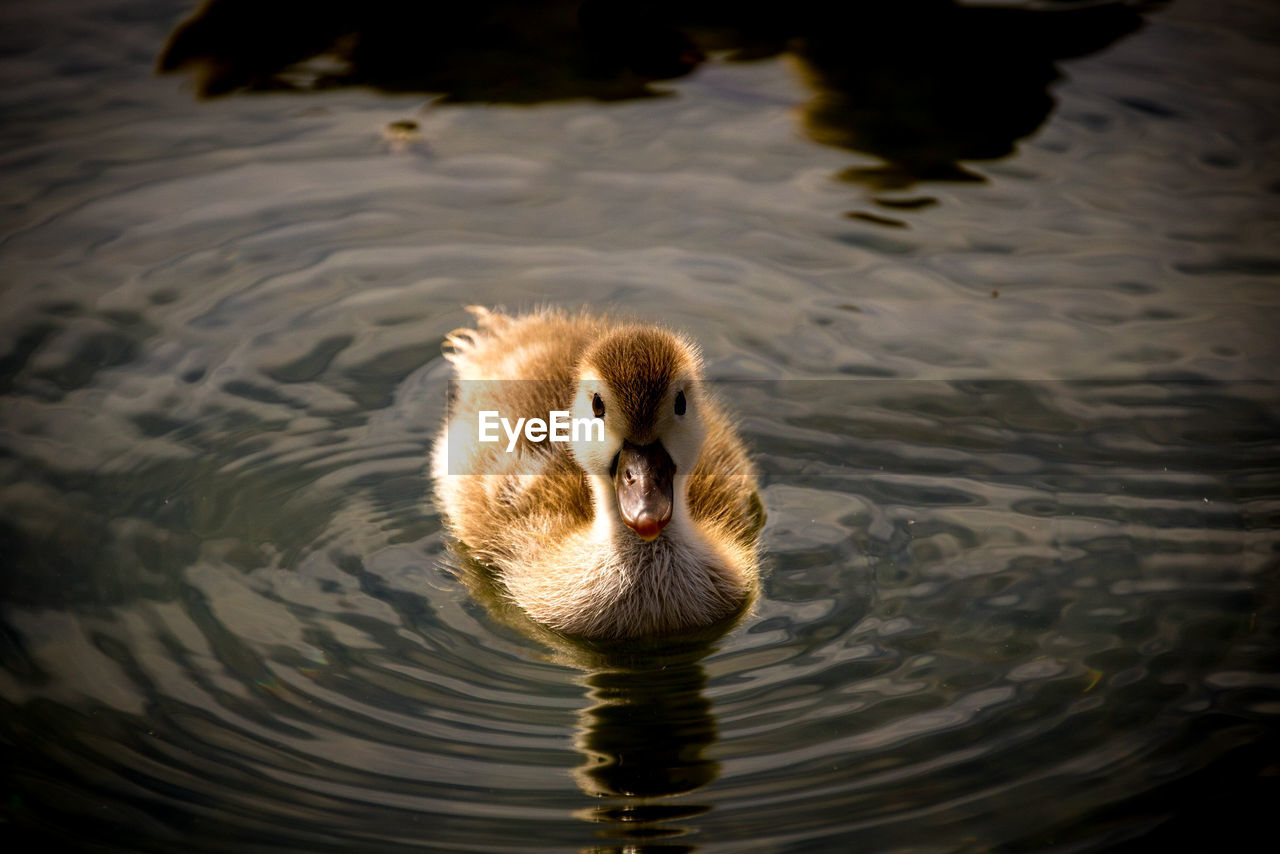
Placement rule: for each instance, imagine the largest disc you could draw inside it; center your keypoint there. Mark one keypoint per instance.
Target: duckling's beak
(643, 481)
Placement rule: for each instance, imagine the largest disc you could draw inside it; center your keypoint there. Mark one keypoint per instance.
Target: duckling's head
(645, 384)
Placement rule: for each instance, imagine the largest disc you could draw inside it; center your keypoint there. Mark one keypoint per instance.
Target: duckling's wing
(722, 486)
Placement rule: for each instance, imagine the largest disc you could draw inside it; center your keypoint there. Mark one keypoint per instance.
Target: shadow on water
(921, 84)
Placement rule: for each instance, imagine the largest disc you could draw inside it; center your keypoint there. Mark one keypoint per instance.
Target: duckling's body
(647, 531)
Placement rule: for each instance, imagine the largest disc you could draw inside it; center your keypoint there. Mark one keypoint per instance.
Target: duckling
(645, 526)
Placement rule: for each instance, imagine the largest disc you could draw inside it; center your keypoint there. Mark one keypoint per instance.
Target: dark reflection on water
(645, 737)
(922, 84)
(925, 85)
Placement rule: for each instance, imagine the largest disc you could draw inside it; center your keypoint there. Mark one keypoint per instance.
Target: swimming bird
(643, 525)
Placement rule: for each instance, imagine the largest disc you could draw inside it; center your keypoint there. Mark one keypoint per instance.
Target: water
(1012, 393)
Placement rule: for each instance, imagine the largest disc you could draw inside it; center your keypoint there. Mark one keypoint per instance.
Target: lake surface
(997, 315)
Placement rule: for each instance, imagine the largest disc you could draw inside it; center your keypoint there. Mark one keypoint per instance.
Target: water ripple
(1017, 452)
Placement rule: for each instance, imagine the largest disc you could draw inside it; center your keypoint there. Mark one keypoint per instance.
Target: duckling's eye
(680, 404)
(597, 406)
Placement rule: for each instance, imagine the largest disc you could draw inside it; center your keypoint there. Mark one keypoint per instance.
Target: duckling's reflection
(645, 734)
(645, 737)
